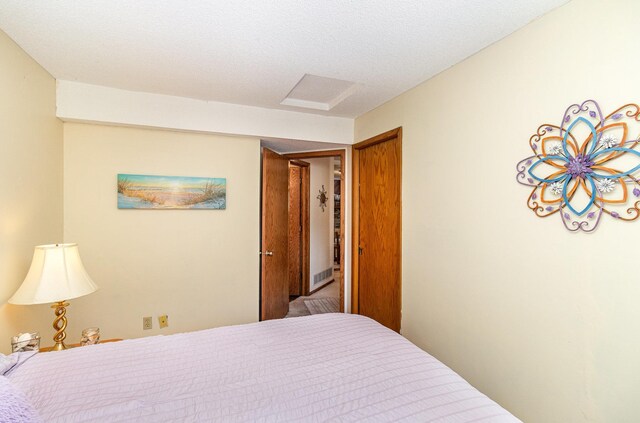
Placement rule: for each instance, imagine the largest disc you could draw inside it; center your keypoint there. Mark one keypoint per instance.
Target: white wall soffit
(92, 103)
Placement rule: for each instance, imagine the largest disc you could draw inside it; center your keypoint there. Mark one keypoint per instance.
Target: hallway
(331, 291)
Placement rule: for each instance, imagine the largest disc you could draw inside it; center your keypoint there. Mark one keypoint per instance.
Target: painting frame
(160, 192)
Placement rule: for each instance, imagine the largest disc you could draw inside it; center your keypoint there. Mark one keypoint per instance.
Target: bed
(328, 367)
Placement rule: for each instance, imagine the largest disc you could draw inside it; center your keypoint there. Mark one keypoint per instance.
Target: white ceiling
(254, 52)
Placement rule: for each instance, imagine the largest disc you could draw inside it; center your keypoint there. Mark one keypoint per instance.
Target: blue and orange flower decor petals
(585, 168)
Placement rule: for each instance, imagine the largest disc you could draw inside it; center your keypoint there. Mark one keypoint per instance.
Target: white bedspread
(328, 367)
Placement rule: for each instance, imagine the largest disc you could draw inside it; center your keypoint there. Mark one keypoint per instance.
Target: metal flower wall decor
(322, 196)
(585, 168)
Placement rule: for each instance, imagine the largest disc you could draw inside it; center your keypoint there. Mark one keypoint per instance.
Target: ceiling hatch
(319, 93)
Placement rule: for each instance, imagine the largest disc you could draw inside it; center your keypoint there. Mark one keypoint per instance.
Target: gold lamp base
(60, 325)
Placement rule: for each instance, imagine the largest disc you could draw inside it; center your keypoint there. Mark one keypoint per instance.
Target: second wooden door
(377, 283)
(295, 230)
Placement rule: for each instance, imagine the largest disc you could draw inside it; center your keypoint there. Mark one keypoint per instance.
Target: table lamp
(56, 275)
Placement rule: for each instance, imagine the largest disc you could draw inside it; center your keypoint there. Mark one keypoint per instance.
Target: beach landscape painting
(171, 192)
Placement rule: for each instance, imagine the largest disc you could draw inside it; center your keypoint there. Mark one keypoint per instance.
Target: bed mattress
(328, 367)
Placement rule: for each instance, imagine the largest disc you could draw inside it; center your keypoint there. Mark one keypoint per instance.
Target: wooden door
(377, 281)
(274, 289)
(295, 230)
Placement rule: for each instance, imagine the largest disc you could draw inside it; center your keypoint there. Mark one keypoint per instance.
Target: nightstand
(48, 349)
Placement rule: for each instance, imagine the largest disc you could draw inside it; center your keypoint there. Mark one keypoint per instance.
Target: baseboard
(318, 289)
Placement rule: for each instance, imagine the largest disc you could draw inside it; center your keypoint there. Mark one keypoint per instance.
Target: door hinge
(359, 250)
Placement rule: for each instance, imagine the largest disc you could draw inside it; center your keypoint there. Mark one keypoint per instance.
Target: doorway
(326, 279)
(278, 279)
(321, 293)
(377, 229)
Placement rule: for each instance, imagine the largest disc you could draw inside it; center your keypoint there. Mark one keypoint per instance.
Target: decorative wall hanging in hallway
(171, 192)
(322, 196)
(585, 168)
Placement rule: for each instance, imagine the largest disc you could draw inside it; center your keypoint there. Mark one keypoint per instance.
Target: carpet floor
(298, 307)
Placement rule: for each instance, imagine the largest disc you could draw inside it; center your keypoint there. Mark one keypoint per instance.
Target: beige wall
(544, 321)
(198, 266)
(31, 187)
(320, 231)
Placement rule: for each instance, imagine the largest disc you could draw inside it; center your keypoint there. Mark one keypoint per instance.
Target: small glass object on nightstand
(90, 336)
(25, 342)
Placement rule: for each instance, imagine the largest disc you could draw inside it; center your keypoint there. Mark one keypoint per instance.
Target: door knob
(268, 253)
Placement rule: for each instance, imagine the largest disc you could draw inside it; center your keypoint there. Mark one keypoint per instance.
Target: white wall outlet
(163, 321)
(147, 323)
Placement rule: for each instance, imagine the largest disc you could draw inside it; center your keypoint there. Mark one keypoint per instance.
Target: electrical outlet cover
(147, 323)
(163, 321)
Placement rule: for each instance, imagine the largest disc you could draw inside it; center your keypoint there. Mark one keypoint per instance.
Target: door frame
(304, 222)
(355, 209)
(331, 153)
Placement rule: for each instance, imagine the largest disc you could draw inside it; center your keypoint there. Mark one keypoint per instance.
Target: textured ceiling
(253, 52)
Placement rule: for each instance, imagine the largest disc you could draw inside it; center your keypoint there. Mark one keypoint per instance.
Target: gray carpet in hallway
(298, 308)
(323, 305)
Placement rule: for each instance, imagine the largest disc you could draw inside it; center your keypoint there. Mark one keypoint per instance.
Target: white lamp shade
(56, 274)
